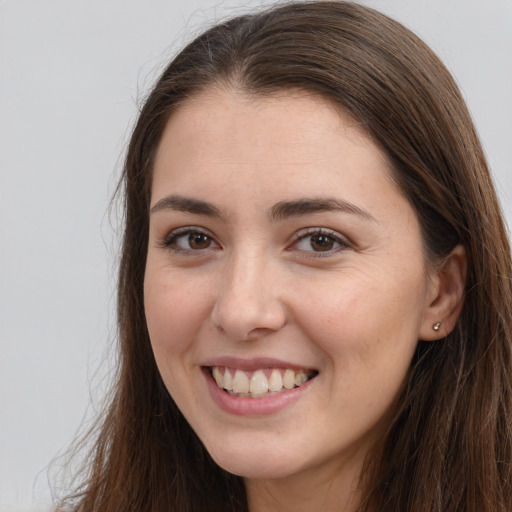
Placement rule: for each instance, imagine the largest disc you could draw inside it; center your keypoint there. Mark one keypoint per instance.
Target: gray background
(71, 75)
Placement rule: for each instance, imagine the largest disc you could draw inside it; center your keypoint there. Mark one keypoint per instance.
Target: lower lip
(243, 406)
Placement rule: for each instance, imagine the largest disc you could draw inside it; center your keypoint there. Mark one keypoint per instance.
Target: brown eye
(199, 241)
(321, 240)
(322, 243)
(189, 240)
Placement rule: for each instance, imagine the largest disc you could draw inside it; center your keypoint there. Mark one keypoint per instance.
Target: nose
(248, 304)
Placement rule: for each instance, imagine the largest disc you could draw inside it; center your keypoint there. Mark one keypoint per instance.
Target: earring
(436, 326)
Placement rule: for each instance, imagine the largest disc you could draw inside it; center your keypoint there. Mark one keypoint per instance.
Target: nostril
(245, 320)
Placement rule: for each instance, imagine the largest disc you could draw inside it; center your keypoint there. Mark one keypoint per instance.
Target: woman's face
(284, 264)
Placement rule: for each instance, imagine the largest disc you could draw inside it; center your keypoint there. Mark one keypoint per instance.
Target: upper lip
(252, 364)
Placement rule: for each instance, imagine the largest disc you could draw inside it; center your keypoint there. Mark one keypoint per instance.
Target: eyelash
(170, 242)
(332, 236)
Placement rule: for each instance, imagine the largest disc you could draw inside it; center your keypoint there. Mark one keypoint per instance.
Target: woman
(315, 282)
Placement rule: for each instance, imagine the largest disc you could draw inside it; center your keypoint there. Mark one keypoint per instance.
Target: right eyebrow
(186, 204)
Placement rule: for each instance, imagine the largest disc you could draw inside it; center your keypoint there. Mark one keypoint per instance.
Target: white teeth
(275, 382)
(240, 382)
(217, 375)
(289, 379)
(259, 383)
(228, 380)
(300, 378)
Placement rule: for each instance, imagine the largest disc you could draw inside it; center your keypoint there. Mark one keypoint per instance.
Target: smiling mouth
(260, 383)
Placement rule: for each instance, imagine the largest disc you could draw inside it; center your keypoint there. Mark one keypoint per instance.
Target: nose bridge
(247, 302)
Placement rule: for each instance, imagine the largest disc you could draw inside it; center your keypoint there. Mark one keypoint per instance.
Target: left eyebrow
(286, 209)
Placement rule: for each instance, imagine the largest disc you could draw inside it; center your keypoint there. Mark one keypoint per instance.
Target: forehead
(291, 134)
(217, 108)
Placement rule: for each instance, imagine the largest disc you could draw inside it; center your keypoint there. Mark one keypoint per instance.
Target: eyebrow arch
(186, 204)
(287, 209)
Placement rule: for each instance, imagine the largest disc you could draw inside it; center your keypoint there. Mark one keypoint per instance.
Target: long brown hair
(449, 445)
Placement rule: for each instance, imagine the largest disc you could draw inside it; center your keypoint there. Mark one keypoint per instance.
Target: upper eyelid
(305, 232)
(188, 229)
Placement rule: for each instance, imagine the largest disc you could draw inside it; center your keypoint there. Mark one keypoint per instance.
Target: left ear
(445, 296)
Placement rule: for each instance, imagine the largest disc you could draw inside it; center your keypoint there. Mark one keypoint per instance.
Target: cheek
(175, 310)
(368, 343)
(365, 323)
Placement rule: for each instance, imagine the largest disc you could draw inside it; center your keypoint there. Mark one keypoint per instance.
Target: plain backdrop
(72, 73)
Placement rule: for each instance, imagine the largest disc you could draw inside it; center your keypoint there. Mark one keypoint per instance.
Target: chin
(253, 462)
(254, 470)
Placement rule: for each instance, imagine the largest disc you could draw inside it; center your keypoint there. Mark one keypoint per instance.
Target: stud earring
(436, 326)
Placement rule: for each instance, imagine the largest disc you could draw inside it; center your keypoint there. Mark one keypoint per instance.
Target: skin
(259, 285)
